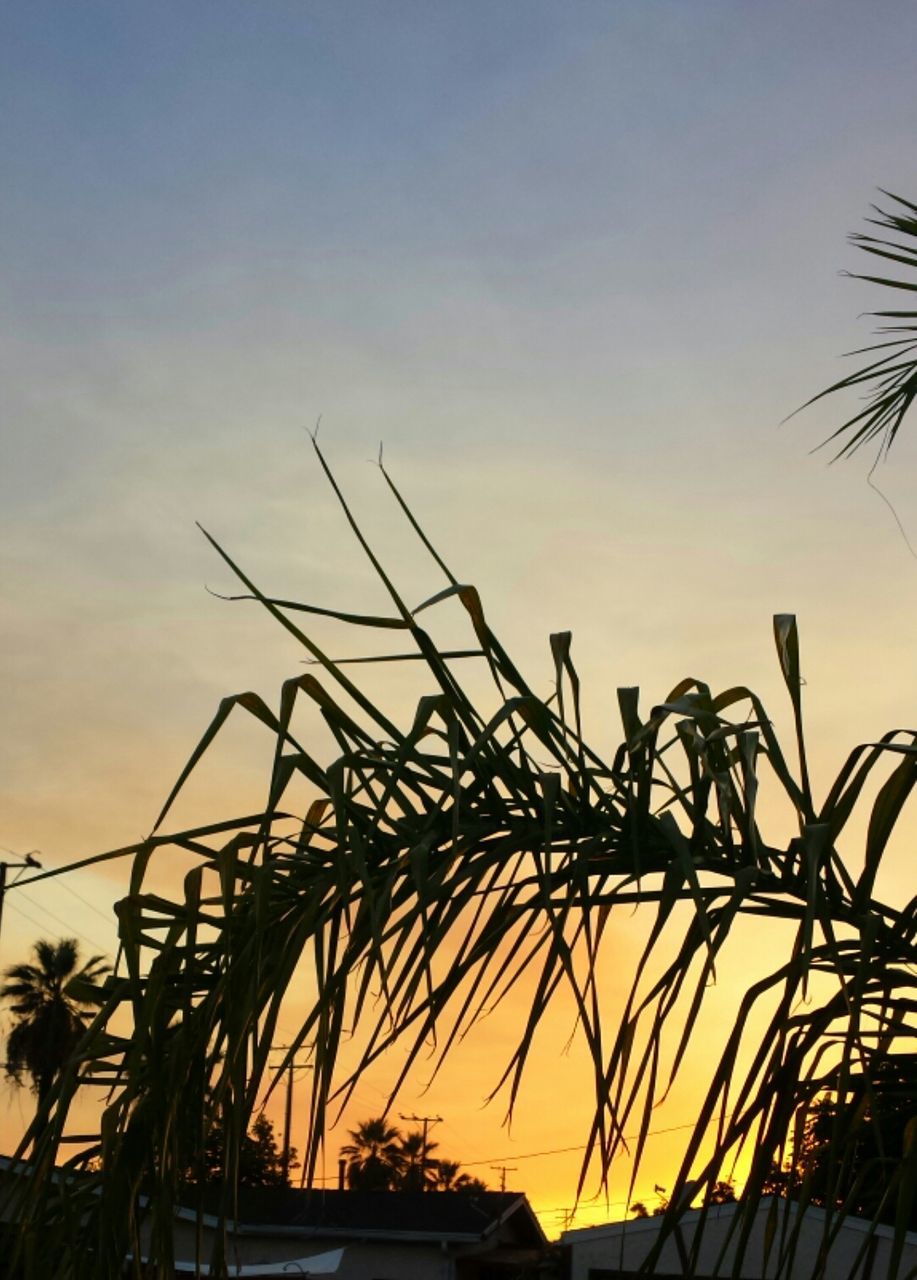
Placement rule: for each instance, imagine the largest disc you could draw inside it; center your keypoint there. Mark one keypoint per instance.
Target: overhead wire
(560, 1151)
(66, 923)
(13, 904)
(108, 918)
(93, 942)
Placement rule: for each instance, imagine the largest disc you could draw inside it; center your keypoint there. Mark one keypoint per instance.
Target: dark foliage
(51, 1007)
(380, 1158)
(479, 848)
(374, 1158)
(888, 379)
(858, 1150)
(260, 1159)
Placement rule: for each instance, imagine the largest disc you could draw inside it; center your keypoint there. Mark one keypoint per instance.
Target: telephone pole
(426, 1121)
(28, 860)
(291, 1067)
(503, 1170)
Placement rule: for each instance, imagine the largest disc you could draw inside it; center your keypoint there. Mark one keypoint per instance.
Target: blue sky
(573, 263)
(483, 216)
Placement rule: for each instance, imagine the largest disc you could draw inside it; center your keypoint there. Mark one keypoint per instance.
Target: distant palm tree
(374, 1158)
(419, 1171)
(51, 1014)
(449, 1178)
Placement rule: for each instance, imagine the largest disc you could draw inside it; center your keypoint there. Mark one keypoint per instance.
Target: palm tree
(375, 1161)
(486, 827)
(447, 1177)
(50, 1009)
(470, 1186)
(418, 1172)
(889, 377)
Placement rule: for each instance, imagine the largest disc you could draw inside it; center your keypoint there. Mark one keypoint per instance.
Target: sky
(572, 264)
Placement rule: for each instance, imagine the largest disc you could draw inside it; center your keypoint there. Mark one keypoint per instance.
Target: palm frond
(889, 382)
(456, 859)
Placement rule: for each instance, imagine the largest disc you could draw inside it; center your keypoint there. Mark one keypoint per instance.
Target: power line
(503, 1170)
(291, 1068)
(42, 924)
(93, 942)
(85, 901)
(23, 862)
(560, 1151)
(19, 911)
(563, 1208)
(63, 884)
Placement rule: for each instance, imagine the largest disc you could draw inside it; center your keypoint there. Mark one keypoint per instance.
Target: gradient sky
(573, 263)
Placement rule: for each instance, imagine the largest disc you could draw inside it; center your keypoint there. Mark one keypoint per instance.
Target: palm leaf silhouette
(888, 379)
(458, 857)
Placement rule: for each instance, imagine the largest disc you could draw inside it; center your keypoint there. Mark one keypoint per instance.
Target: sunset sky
(571, 263)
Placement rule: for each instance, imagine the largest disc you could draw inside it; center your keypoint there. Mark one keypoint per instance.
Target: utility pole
(292, 1066)
(426, 1121)
(503, 1170)
(28, 860)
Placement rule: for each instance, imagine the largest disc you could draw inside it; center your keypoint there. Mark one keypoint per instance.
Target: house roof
(651, 1225)
(443, 1215)
(780, 1237)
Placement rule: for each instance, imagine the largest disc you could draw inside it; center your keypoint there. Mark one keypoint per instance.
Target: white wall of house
(384, 1261)
(362, 1260)
(624, 1246)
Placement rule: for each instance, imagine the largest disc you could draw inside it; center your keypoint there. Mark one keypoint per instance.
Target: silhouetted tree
(49, 1003)
(381, 1158)
(722, 1193)
(436, 848)
(260, 1160)
(447, 1177)
(418, 1172)
(856, 1140)
(375, 1160)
